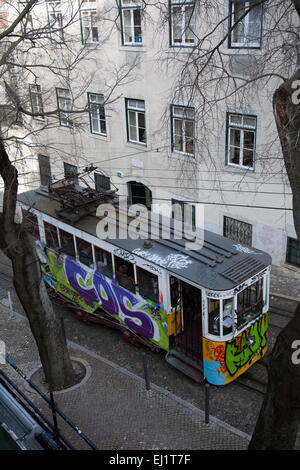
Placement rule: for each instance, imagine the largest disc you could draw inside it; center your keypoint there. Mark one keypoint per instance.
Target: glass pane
(248, 158)
(235, 137)
(254, 26)
(127, 26)
(214, 317)
(51, 235)
(148, 284)
(85, 252)
(178, 143)
(189, 128)
(190, 146)
(228, 315)
(67, 243)
(141, 120)
(249, 139)
(125, 274)
(95, 125)
(238, 33)
(104, 262)
(234, 155)
(178, 126)
(249, 121)
(235, 119)
(103, 127)
(189, 25)
(142, 135)
(177, 24)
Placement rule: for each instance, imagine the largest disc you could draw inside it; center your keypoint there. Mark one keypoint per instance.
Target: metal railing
(59, 440)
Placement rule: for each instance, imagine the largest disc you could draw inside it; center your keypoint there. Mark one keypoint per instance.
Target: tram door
(186, 307)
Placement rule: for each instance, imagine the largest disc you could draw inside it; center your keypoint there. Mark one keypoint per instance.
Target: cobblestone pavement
(113, 407)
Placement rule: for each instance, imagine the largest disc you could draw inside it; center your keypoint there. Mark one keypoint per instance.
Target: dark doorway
(188, 334)
(139, 194)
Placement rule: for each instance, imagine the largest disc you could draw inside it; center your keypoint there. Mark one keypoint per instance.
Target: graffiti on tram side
(90, 290)
(224, 361)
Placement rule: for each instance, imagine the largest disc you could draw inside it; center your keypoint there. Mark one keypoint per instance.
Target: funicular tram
(207, 309)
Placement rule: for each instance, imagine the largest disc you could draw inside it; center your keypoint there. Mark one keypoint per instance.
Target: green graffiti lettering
(252, 343)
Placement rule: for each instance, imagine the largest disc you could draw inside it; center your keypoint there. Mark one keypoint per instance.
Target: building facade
(144, 100)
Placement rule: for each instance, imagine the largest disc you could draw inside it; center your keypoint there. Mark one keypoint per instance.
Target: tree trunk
(279, 417)
(19, 246)
(277, 425)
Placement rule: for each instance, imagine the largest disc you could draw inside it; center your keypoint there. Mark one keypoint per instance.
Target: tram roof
(221, 264)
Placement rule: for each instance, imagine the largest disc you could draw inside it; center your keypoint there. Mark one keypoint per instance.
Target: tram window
(249, 302)
(30, 223)
(51, 235)
(85, 252)
(67, 243)
(148, 284)
(104, 262)
(214, 317)
(125, 274)
(228, 315)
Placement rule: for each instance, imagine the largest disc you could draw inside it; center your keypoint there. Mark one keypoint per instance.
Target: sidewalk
(284, 286)
(112, 406)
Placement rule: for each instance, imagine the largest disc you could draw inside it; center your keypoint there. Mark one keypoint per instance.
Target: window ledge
(239, 170)
(183, 156)
(132, 48)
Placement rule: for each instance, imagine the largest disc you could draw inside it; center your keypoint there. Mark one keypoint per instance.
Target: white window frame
(88, 12)
(94, 112)
(246, 43)
(137, 108)
(64, 104)
(242, 128)
(184, 118)
(131, 6)
(36, 101)
(55, 19)
(185, 42)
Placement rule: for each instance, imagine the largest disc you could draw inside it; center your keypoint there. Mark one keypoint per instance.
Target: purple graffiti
(145, 325)
(107, 302)
(73, 272)
(113, 299)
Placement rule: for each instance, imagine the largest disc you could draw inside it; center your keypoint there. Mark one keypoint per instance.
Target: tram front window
(249, 303)
(214, 317)
(220, 325)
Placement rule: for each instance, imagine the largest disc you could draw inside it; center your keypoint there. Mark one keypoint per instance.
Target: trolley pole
(207, 388)
(146, 371)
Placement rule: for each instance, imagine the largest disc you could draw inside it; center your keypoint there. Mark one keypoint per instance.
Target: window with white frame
(36, 101)
(55, 19)
(97, 114)
(64, 105)
(248, 29)
(136, 126)
(182, 23)
(89, 19)
(131, 22)
(241, 140)
(183, 130)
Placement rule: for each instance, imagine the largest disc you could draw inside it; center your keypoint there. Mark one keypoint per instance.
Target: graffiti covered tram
(207, 309)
